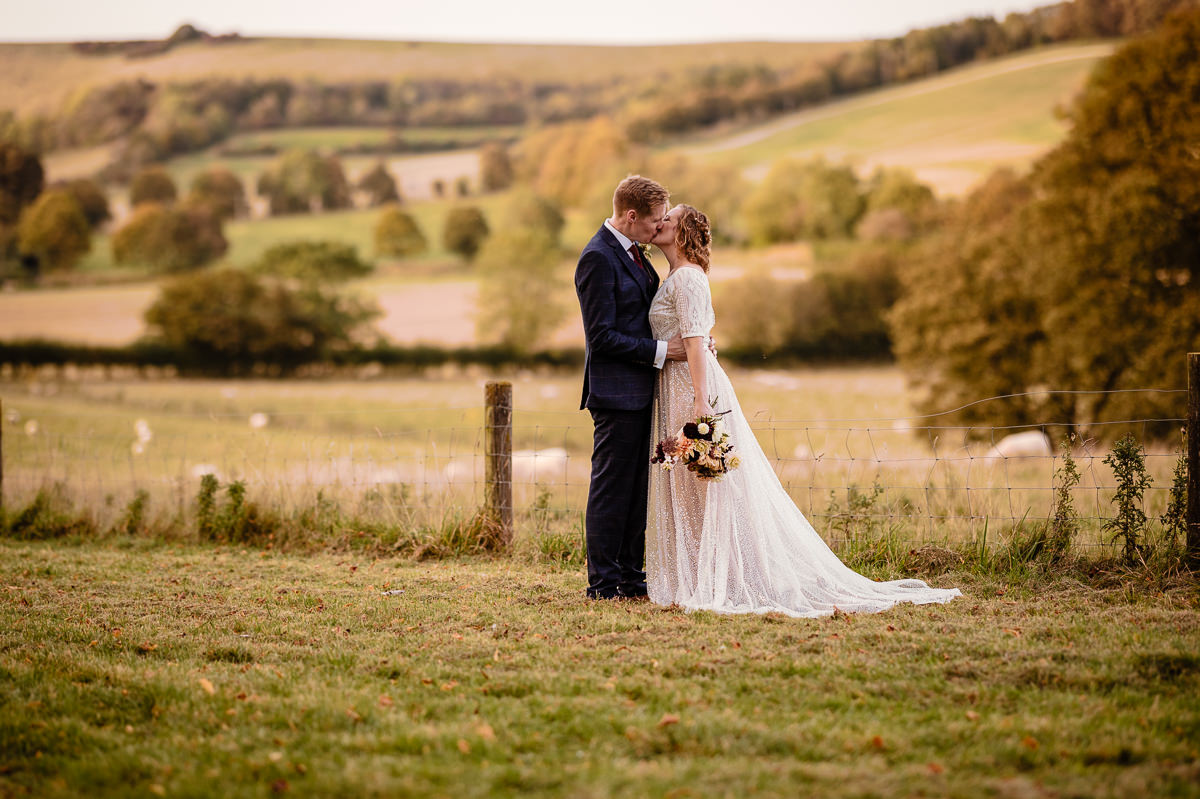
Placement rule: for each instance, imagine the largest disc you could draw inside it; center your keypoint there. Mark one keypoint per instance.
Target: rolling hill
(951, 129)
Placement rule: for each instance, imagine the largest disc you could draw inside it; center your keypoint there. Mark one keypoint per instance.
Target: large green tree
(1084, 276)
(397, 234)
(170, 239)
(464, 231)
(319, 262)
(221, 191)
(230, 320)
(54, 230)
(303, 181)
(520, 302)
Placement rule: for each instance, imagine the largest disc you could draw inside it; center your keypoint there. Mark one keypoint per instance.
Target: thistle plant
(1128, 462)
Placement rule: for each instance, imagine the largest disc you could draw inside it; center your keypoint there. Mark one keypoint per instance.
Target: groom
(615, 284)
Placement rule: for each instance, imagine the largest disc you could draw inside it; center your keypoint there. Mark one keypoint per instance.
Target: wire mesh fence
(906, 475)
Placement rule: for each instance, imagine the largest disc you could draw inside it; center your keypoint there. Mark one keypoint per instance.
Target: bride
(737, 545)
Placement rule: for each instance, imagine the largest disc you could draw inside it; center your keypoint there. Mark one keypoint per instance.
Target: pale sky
(542, 21)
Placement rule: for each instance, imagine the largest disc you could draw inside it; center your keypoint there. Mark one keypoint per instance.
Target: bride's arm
(695, 347)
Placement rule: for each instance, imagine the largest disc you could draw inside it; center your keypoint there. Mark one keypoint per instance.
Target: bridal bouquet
(703, 446)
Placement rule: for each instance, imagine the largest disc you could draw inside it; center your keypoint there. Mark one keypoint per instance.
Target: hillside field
(951, 129)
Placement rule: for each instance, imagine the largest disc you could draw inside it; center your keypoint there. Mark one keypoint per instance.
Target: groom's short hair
(639, 194)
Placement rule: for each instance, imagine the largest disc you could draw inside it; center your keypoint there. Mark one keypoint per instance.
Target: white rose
(702, 428)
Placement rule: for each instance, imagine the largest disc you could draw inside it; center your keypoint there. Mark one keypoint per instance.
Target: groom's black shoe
(633, 591)
(607, 593)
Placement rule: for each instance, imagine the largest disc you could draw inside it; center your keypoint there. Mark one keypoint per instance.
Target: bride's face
(666, 234)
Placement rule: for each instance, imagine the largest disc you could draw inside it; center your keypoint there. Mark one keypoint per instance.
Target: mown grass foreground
(187, 671)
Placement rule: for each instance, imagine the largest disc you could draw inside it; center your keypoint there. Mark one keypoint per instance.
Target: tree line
(154, 121)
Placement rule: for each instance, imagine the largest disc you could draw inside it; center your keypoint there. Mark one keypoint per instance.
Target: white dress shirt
(660, 356)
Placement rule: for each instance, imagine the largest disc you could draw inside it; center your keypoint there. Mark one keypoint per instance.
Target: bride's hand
(702, 408)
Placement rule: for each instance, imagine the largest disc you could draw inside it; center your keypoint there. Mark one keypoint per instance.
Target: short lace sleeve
(693, 303)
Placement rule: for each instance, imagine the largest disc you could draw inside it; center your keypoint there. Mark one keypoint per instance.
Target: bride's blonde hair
(693, 237)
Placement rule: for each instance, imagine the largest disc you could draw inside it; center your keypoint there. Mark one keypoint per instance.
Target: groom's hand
(675, 349)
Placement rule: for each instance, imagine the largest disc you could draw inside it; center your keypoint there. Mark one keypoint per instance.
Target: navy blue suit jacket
(614, 297)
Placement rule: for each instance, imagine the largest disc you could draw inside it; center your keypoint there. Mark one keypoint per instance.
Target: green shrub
(379, 186)
(152, 185)
(54, 230)
(219, 190)
(230, 320)
(464, 231)
(317, 261)
(397, 234)
(169, 239)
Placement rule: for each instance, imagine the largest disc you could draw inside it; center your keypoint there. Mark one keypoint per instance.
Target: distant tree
(438, 187)
(230, 320)
(803, 200)
(169, 239)
(54, 230)
(495, 167)
(462, 186)
(317, 261)
(719, 191)
(303, 181)
(520, 300)
(220, 191)
(379, 186)
(898, 206)
(397, 234)
(21, 181)
(564, 162)
(152, 185)
(525, 209)
(968, 306)
(91, 198)
(464, 231)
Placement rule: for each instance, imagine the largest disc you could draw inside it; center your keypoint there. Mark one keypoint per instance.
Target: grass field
(842, 441)
(951, 129)
(183, 671)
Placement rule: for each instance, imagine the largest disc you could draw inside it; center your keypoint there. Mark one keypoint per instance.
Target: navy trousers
(616, 507)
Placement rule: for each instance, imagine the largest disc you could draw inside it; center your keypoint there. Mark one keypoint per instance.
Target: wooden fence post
(1193, 459)
(497, 451)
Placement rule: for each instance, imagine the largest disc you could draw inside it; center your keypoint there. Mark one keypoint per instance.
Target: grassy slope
(951, 129)
(216, 672)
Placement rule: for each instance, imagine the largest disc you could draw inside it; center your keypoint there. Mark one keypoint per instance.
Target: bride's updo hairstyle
(693, 237)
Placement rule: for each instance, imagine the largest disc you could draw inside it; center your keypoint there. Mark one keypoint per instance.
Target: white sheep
(1030, 444)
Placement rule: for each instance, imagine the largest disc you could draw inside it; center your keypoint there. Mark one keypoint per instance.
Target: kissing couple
(734, 545)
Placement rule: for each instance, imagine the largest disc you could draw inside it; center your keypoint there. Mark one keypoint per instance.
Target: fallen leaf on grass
(972, 715)
(1029, 742)
(463, 746)
(385, 701)
(353, 715)
(936, 768)
(668, 719)
(877, 742)
(279, 786)
(450, 686)
(486, 732)
(207, 686)
(1015, 632)
(156, 789)
(146, 646)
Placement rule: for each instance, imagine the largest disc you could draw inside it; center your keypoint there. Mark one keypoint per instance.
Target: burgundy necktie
(636, 252)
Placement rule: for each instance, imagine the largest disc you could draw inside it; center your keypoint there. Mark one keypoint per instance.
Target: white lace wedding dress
(738, 545)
